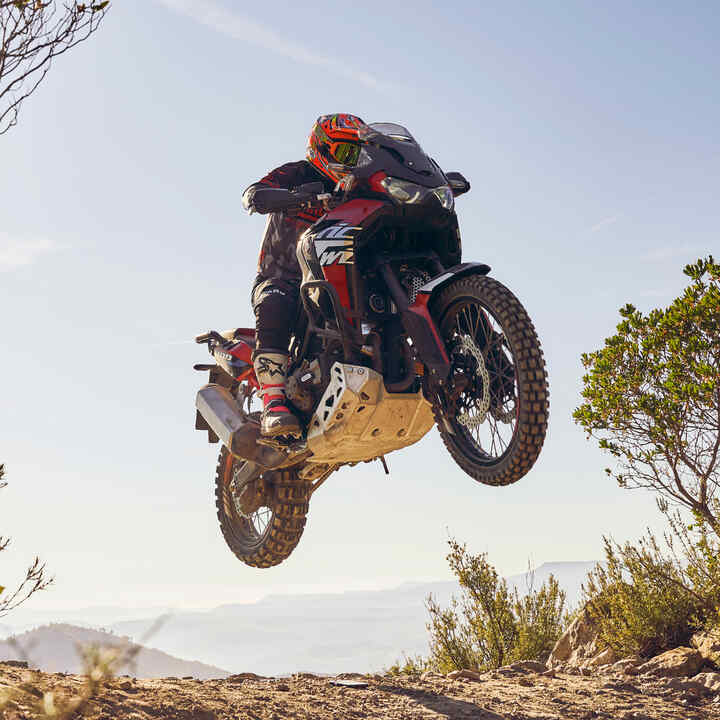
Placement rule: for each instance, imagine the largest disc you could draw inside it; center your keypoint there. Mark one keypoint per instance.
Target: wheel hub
(250, 496)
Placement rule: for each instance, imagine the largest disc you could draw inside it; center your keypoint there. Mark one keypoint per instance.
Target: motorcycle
(396, 334)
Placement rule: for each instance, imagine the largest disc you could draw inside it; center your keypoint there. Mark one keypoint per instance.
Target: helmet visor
(346, 153)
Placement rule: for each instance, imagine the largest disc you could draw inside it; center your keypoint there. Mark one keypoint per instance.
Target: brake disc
(467, 346)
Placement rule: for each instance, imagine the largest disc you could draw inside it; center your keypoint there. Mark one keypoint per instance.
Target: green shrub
(409, 665)
(652, 596)
(490, 626)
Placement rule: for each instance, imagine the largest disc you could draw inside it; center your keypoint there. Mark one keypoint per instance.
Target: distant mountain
(26, 617)
(323, 633)
(54, 648)
(570, 576)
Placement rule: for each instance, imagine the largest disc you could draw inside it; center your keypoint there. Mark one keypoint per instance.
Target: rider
(333, 148)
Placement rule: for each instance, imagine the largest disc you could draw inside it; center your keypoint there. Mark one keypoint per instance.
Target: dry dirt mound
(505, 694)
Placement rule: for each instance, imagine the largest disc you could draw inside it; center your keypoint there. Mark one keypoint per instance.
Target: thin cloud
(689, 253)
(240, 27)
(16, 253)
(604, 223)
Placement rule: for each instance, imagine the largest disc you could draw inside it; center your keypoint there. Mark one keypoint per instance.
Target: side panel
(328, 246)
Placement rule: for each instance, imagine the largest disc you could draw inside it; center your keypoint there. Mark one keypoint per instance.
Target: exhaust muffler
(236, 431)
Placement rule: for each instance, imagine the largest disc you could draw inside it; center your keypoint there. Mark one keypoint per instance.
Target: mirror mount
(458, 183)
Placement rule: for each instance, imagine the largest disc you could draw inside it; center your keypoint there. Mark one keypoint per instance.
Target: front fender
(453, 273)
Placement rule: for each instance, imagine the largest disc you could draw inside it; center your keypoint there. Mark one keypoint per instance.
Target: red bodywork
(243, 351)
(354, 212)
(419, 307)
(355, 215)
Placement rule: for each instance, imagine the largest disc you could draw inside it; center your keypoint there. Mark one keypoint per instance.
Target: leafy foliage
(652, 596)
(491, 626)
(413, 665)
(652, 396)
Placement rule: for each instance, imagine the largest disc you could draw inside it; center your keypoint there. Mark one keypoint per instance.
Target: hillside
(325, 633)
(53, 648)
(512, 693)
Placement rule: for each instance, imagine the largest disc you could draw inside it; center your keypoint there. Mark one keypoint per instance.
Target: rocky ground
(523, 691)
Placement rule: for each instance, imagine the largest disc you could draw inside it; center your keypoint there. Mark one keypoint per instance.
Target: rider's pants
(275, 302)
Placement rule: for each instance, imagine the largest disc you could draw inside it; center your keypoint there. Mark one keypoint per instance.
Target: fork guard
(240, 434)
(421, 327)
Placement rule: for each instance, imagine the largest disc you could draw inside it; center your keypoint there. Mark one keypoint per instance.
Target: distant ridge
(54, 648)
(325, 633)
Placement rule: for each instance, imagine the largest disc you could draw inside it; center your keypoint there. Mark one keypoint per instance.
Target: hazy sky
(590, 134)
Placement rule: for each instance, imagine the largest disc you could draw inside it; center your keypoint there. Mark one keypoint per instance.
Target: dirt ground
(505, 694)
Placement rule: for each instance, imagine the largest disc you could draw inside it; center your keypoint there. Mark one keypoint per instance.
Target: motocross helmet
(334, 144)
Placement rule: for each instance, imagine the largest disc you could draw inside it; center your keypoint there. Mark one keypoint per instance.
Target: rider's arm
(285, 177)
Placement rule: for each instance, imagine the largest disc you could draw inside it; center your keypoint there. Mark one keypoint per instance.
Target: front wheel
(493, 411)
(262, 514)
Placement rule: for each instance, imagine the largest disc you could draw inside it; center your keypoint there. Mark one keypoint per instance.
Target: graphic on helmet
(334, 144)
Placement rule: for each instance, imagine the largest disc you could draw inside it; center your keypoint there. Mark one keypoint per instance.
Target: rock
(627, 666)
(125, 685)
(604, 657)
(708, 645)
(577, 644)
(685, 685)
(15, 663)
(430, 675)
(238, 677)
(529, 666)
(711, 680)
(464, 675)
(680, 662)
(282, 687)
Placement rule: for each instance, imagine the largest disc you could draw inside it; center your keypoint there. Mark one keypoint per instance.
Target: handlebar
(210, 335)
(267, 200)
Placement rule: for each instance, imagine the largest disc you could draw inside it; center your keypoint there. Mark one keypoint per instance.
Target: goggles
(345, 152)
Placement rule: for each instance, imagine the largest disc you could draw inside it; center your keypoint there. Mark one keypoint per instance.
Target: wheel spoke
(484, 416)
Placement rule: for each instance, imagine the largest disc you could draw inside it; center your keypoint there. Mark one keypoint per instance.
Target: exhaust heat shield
(239, 434)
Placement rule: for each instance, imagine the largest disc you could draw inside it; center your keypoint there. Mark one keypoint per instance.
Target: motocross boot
(271, 369)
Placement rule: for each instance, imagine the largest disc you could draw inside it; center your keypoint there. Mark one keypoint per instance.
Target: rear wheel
(493, 412)
(262, 514)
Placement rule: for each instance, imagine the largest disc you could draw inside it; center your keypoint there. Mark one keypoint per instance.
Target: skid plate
(357, 419)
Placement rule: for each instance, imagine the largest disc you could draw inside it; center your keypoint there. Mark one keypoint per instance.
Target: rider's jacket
(277, 253)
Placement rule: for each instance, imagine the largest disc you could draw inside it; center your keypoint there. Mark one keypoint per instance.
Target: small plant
(652, 596)
(35, 580)
(409, 665)
(490, 626)
(100, 666)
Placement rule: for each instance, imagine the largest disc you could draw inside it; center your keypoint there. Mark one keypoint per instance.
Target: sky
(590, 135)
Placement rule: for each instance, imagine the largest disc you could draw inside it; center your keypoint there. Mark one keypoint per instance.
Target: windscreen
(396, 132)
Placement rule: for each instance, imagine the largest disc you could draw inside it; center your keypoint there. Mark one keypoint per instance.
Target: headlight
(409, 193)
(445, 196)
(403, 191)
